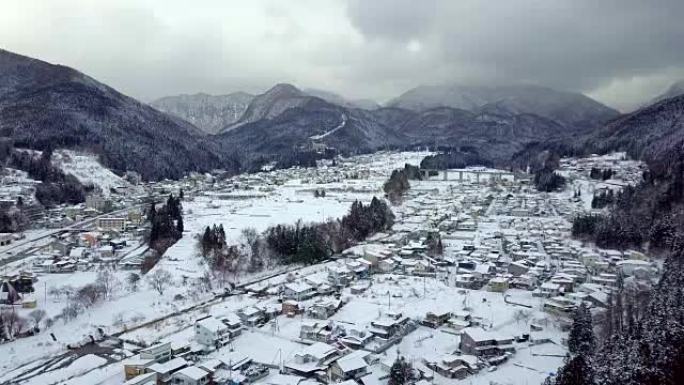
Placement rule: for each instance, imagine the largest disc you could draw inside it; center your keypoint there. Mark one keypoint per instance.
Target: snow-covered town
(476, 280)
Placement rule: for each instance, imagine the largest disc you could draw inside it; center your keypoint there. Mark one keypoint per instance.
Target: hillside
(271, 104)
(654, 134)
(308, 120)
(209, 113)
(43, 104)
(675, 89)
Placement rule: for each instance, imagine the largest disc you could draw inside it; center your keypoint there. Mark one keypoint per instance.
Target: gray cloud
(619, 51)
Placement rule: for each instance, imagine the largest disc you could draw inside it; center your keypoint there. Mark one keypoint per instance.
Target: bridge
(484, 175)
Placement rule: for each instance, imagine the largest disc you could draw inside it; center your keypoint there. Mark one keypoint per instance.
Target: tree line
(547, 179)
(398, 183)
(298, 243)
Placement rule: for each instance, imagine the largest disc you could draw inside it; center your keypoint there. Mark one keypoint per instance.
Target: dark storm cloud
(580, 45)
(621, 52)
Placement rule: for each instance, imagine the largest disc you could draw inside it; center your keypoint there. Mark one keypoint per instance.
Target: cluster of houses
(166, 363)
(72, 251)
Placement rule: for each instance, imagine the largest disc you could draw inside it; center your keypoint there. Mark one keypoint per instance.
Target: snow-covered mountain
(43, 104)
(210, 113)
(270, 104)
(285, 119)
(654, 133)
(570, 109)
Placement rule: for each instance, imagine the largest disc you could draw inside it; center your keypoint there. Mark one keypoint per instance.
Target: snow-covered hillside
(210, 113)
(87, 169)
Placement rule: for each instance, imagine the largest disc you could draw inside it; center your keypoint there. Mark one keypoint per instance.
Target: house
(315, 357)
(518, 268)
(459, 320)
(166, 370)
(192, 375)
(290, 307)
(436, 319)
(560, 305)
(350, 367)
(498, 284)
(143, 379)
(211, 333)
(548, 289)
(386, 265)
(319, 331)
(5, 239)
(356, 338)
(359, 267)
(234, 324)
(389, 327)
(159, 353)
(252, 315)
(106, 251)
(339, 275)
(360, 286)
(453, 366)
(323, 309)
(524, 281)
(318, 281)
(235, 360)
(467, 281)
(298, 291)
(481, 343)
(78, 253)
(136, 366)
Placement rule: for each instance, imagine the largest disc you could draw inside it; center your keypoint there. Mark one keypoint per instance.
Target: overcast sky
(621, 52)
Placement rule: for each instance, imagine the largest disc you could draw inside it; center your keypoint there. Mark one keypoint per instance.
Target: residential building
(111, 223)
(479, 342)
(350, 367)
(211, 333)
(192, 375)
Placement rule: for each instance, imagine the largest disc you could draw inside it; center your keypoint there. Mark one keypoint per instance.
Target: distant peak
(284, 88)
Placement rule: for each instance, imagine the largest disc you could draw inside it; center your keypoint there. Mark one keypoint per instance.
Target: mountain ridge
(570, 109)
(210, 113)
(48, 105)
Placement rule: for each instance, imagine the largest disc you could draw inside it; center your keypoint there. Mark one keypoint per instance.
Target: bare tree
(108, 281)
(133, 280)
(159, 280)
(90, 294)
(12, 322)
(37, 315)
(522, 315)
(71, 311)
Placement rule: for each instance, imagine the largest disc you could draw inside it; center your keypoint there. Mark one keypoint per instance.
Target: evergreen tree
(400, 372)
(576, 371)
(581, 339)
(179, 225)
